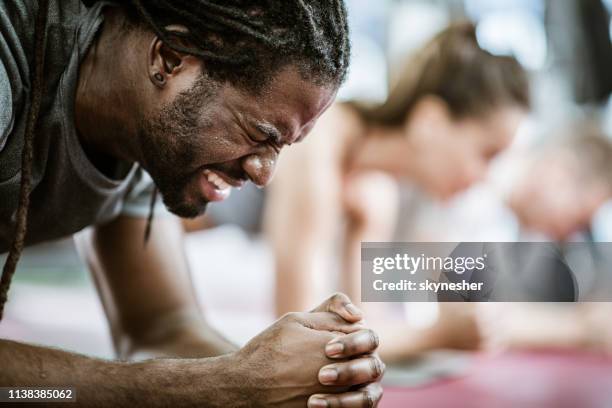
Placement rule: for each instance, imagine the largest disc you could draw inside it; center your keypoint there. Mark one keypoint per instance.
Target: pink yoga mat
(517, 380)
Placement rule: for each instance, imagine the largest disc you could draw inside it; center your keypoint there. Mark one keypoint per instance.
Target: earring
(159, 77)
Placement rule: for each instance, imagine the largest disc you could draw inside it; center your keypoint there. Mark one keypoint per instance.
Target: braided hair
(244, 42)
(27, 155)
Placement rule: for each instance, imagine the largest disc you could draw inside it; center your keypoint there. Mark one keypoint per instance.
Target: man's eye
(254, 138)
(263, 139)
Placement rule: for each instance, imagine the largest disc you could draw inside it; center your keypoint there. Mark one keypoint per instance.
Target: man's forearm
(181, 339)
(147, 291)
(99, 383)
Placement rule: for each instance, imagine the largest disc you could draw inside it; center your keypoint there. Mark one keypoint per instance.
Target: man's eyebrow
(270, 131)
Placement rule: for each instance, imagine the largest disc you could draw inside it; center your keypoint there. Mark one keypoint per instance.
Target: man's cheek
(224, 148)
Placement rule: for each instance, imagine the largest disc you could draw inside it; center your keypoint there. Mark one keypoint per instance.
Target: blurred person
(565, 182)
(202, 95)
(454, 107)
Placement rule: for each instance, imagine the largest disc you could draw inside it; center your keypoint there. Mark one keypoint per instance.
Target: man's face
(212, 137)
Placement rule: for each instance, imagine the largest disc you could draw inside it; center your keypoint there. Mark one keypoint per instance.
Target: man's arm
(145, 288)
(98, 383)
(283, 366)
(147, 291)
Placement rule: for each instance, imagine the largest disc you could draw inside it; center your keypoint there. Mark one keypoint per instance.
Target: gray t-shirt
(68, 192)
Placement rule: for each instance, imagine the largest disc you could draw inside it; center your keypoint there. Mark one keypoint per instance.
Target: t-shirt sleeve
(138, 202)
(6, 106)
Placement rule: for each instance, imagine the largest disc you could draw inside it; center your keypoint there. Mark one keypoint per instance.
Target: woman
(454, 107)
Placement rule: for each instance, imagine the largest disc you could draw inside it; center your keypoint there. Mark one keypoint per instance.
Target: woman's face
(452, 154)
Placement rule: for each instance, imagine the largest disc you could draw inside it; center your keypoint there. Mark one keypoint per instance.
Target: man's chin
(186, 210)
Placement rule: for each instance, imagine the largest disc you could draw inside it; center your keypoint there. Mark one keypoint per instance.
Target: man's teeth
(219, 183)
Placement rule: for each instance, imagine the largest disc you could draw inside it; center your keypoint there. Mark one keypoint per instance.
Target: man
(202, 96)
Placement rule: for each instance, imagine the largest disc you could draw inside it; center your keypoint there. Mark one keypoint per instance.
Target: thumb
(341, 305)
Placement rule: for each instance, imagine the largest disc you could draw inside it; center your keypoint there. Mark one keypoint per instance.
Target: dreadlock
(244, 42)
(27, 155)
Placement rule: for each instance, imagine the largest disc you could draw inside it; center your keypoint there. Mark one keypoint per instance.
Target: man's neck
(106, 116)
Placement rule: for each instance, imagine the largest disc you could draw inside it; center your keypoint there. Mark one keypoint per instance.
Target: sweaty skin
(133, 100)
(184, 123)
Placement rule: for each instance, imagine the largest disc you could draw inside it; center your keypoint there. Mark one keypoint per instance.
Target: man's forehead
(290, 87)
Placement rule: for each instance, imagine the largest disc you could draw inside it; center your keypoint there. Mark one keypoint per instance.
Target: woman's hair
(453, 67)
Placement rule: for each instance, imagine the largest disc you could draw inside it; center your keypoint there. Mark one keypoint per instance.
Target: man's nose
(260, 167)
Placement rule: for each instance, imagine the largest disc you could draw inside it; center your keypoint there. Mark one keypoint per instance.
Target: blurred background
(566, 48)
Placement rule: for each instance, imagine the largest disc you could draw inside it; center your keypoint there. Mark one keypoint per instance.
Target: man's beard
(170, 140)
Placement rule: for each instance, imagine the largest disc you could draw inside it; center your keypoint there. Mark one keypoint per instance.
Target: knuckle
(374, 339)
(376, 367)
(338, 298)
(348, 373)
(377, 391)
(334, 401)
(368, 400)
(291, 317)
(341, 324)
(349, 346)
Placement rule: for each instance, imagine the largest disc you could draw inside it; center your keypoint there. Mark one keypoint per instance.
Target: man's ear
(163, 62)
